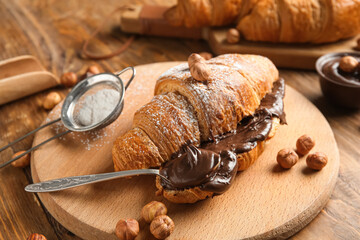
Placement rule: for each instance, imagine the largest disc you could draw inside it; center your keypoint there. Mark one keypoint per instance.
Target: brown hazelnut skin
(304, 144)
(69, 79)
(153, 209)
(162, 226)
(127, 229)
(233, 36)
(36, 236)
(51, 100)
(93, 69)
(206, 55)
(358, 44)
(316, 161)
(199, 70)
(348, 64)
(22, 162)
(287, 158)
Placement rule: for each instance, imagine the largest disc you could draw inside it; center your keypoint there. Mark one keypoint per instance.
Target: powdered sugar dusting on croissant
(176, 71)
(237, 84)
(186, 110)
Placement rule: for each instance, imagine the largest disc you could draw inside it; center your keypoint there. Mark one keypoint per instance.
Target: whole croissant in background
(289, 21)
(185, 110)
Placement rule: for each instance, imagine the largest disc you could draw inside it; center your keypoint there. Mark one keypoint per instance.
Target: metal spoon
(70, 182)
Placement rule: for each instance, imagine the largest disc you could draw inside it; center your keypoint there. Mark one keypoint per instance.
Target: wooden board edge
(280, 232)
(309, 214)
(57, 212)
(49, 203)
(283, 56)
(305, 217)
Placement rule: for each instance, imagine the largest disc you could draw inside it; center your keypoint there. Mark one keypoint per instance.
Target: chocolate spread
(213, 165)
(331, 70)
(200, 167)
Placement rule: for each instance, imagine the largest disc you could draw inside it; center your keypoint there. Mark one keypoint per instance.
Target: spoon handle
(70, 182)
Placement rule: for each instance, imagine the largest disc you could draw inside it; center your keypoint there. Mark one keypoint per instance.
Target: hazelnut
(127, 229)
(287, 158)
(316, 160)
(162, 226)
(51, 100)
(93, 69)
(304, 144)
(153, 209)
(21, 162)
(358, 44)
(36, 236)
(199, 70)
(348, 64)
(69, 79)
(206, 55)
(233, 35)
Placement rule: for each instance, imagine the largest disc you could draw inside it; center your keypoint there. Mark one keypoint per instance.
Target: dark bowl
(341, 94)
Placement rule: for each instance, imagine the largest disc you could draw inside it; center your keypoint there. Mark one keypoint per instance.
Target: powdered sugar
(177, 70)
(235, 87)
(94, 139)
(98, 106)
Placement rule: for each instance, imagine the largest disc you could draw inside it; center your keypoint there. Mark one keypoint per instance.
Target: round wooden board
(264, 201)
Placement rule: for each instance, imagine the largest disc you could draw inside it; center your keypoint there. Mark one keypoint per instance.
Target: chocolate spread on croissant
(213, 165)
(200, 167)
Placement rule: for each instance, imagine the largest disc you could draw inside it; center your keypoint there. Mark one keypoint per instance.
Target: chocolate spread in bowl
(213, 166)
(332, 71)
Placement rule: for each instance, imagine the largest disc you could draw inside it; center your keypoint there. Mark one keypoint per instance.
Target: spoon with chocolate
(193, 167)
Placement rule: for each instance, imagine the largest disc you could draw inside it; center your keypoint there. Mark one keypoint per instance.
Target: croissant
(185, 111)
(194, 13)
(296, 21)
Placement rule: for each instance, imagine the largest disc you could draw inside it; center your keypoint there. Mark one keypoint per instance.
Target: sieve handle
(26, 135)
(35, 147)
(132, 75)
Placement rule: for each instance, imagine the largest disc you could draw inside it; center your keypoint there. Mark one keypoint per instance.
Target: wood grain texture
(264, 202)
(53, 31)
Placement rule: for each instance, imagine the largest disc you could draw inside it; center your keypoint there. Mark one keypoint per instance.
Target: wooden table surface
(54, 31)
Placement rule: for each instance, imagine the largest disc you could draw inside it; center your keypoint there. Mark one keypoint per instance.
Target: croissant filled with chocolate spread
(201, 132)
(317, 21)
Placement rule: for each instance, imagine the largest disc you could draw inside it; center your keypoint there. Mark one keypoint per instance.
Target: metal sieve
(70, 107)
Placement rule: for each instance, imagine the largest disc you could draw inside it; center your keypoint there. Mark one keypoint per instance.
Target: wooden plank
(298, 56)
(290, 55)
(20, 213)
